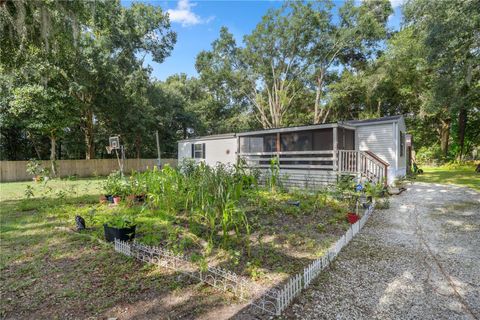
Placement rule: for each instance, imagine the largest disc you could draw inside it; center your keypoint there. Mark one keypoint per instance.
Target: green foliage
(210, 196)
(119, 221)
(65, 63)
(73, 73)
(116, 185)
(35, 169)
(375, 190)
(428, 154)
(29, 192)
(273, 179)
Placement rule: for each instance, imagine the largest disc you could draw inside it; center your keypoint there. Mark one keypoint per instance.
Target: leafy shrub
(117, 220)
(116, 185)
(429, 155)
(35, 169)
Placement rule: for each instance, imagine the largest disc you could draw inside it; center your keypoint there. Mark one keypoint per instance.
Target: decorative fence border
(300, 281)
(216, 277)
(275, 300)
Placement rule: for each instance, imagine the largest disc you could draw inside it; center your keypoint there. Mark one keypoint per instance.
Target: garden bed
(221, 217)
(272, 239)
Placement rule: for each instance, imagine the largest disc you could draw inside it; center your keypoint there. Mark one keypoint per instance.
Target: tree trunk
(318, 97)
(444, 135)
(30, 136)
(462, 123)
(89, 147)
(184, 129)
(53, 151)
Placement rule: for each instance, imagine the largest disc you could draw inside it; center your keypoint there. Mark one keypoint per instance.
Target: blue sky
(198, 23)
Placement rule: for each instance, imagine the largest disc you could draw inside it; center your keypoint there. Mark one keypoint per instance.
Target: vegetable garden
(222, 217)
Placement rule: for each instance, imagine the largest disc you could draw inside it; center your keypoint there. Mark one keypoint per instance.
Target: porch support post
(335, 148)
(238, 151)
(278, 143)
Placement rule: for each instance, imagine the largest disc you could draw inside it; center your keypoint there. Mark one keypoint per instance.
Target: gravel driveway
(420, 259)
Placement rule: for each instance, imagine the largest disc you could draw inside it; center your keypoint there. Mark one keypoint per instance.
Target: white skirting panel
(295, 178)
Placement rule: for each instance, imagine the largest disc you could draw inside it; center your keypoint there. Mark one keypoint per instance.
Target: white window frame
(198, 151)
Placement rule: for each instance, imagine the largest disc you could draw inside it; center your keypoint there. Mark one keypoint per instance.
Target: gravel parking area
(420, 259)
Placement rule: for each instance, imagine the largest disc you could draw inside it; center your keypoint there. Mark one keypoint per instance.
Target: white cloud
(183, 14)
(396, 3)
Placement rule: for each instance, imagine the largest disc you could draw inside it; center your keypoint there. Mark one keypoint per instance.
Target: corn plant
(210, 196)
(273, 180)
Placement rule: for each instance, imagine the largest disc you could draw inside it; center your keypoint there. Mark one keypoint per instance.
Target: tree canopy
(73, 73)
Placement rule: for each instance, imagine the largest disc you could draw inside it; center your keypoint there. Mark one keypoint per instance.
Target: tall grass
(209, 196)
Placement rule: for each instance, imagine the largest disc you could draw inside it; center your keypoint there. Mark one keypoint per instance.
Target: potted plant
(136, 189)
(352, 217)
(119, 227)
(114, 188)
(35, 169)
(117, 199)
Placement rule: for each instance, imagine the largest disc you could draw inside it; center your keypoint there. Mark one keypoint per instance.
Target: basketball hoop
(114, 142)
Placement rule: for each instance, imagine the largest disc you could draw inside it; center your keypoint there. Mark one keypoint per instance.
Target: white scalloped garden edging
(275, 300)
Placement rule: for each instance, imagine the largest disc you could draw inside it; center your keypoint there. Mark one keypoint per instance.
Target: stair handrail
(380, 161)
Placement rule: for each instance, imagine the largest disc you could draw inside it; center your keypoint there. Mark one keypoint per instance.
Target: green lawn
(50, 188)
(458, 175)
(48, 270)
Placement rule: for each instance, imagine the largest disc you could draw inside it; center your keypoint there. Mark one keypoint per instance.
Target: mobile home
(314, 154)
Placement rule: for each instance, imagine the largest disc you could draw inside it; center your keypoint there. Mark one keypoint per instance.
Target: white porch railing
(363, 163)
(292, 159)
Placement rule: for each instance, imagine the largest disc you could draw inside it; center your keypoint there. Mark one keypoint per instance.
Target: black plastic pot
(124, 234)
(140, 198)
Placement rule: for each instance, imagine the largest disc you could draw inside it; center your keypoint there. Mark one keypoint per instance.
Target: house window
(198, 150)
(402, 144)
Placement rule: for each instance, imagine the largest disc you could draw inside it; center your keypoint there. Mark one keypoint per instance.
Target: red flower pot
(352, 217)
(116, 200)
(103, 199)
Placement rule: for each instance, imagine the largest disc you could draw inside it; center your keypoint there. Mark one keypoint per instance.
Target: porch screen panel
(349, 139)
(323, 139)
(296, 141)
(270, 143)
(251, 144)
(265, 143)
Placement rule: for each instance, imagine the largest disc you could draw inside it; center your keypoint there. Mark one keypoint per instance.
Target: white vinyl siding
(216, 150)
(379, 139)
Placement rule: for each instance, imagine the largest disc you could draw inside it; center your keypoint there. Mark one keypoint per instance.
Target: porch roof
(298, 128)
(376, 120)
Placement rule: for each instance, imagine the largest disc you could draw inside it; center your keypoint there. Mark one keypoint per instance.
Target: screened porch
(308, 155)
(310, 147)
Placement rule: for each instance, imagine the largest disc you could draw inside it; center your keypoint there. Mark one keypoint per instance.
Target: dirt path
(418, 260)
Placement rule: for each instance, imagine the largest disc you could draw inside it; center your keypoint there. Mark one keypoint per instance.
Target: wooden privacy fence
(17, 170)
